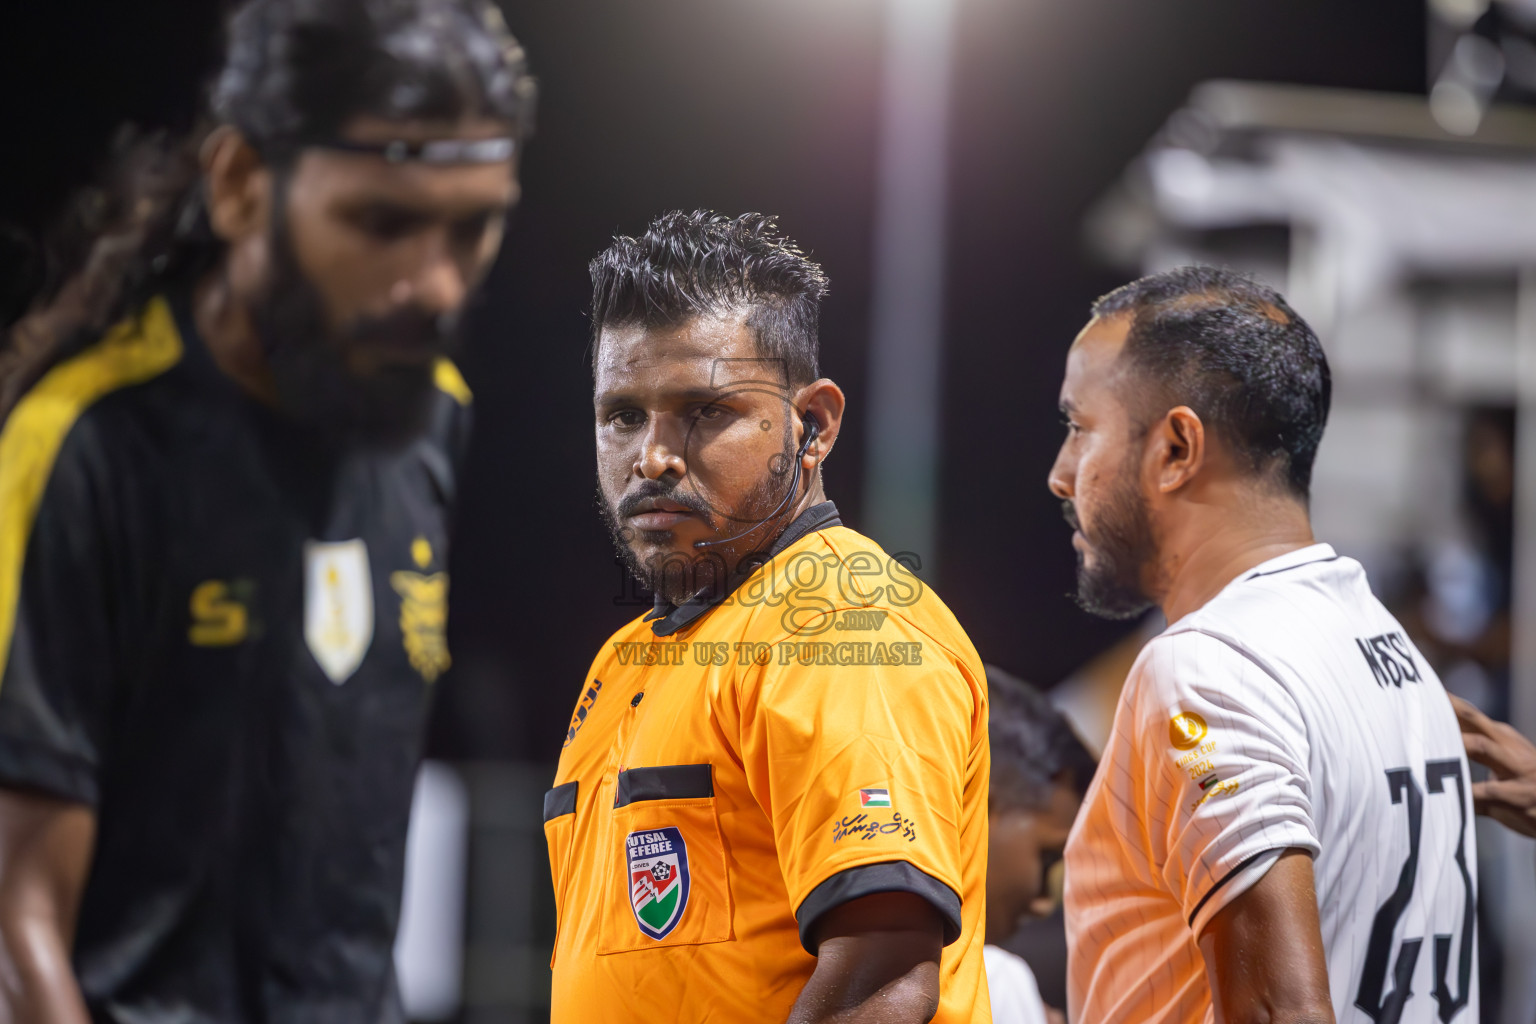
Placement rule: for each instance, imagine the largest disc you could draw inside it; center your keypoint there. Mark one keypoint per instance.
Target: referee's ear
(239, 185)
(824, 400)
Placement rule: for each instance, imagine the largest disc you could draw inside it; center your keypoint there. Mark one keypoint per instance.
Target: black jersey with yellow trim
(221, 635)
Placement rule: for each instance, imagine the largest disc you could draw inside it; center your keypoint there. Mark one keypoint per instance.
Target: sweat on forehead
(718, 352)
(728, 342)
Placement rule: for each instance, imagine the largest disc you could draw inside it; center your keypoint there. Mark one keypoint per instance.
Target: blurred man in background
(771, 804)
(1283, 817)
(1040, 770)
(227, 471)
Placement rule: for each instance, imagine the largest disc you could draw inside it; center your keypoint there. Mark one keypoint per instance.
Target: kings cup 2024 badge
(658, 879)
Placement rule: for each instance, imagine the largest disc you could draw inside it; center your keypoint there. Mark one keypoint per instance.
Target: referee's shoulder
(636, 629)
(899, 577)
(859, 576)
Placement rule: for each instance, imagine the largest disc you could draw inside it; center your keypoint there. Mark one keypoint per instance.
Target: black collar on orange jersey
(666, 618)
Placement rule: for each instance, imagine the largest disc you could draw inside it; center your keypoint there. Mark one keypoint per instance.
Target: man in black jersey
(228, 461)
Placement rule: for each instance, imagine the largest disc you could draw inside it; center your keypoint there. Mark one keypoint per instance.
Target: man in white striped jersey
(1279, 830)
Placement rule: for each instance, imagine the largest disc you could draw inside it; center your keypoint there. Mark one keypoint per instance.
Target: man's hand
(1510, 796)
(45, 854)
(877, 962)
(1264, 951)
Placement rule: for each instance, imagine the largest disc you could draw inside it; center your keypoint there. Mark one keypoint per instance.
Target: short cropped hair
(1233, 351)
(1034, 748)
(705, 263)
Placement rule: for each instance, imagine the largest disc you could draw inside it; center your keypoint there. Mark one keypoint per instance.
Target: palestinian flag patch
(874, 798)
(658, 879)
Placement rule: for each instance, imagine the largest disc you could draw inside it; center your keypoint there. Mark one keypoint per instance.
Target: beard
(1111, 587)
(389, 405)
(702, 572)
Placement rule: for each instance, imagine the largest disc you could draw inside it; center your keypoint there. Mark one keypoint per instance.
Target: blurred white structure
(429, 949)
(907, 316)
(1412, 250)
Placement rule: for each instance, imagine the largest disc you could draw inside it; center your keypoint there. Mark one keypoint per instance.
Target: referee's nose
(661, 451)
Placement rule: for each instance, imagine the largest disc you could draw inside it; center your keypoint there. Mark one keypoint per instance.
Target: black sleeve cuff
(868, 879)
(25, 765)
(1247, 862)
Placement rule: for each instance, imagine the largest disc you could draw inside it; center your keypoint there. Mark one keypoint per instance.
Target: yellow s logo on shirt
(218, 620)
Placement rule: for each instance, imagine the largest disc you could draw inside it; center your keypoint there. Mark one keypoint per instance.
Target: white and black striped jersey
(1291, 711)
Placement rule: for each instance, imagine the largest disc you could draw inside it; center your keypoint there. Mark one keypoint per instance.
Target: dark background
(768, 105)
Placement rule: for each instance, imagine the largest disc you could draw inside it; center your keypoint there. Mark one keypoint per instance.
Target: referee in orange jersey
(772, 800)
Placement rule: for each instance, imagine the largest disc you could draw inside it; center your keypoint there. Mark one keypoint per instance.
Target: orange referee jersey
(734, 770)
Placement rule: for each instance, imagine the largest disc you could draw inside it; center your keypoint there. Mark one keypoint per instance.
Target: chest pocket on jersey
(559, 830)
(665, 882)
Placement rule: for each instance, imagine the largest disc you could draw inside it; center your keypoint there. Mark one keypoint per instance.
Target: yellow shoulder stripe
(450, 380)
(134, 351)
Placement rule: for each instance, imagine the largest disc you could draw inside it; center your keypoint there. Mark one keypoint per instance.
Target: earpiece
(812, 428)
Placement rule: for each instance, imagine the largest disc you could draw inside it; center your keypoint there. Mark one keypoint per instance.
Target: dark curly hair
(295, 72)
(1233, 351)
(1034, 748)
(688, 264)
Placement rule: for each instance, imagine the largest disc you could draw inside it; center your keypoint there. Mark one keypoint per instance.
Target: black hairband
(437, 151)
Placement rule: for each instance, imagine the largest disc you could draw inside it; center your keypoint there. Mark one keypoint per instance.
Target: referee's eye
(627, 418)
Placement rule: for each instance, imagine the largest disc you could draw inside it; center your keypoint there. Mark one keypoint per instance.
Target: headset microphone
(812, 428)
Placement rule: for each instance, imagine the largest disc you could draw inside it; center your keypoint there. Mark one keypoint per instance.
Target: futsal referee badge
(338, 606)
(658, 879)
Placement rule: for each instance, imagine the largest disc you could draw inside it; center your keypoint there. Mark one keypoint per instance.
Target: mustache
(405, 328)
(655, 489)
(1069, 513)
